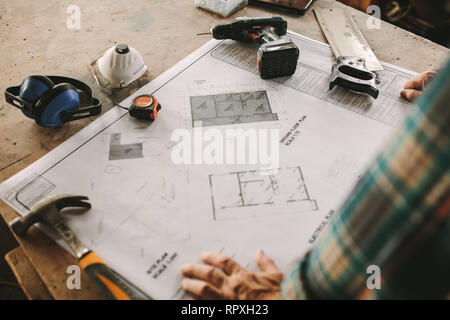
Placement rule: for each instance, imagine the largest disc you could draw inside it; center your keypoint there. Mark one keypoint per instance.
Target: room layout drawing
(242, 194)
(118, 151)
(231, 108)
(30, 191)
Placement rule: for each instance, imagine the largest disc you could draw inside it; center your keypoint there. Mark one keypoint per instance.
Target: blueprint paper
(150, 215)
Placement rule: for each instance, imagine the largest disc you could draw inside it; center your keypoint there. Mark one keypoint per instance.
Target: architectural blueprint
(242, 194)
(150, 215)
(231, 108)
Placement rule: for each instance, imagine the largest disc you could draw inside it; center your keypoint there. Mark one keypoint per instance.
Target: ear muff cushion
(32, 88)
(60, 98)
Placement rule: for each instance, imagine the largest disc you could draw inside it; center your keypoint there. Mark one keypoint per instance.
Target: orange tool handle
(113, 284)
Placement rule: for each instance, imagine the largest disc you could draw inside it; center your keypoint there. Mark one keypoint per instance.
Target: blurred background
(427, 18)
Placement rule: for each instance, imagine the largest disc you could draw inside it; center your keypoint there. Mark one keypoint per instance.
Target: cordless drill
(277, 56)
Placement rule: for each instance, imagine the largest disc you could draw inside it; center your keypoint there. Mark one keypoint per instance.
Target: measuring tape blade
(344, 36)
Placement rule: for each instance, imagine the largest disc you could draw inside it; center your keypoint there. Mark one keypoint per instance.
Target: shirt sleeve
(396, 218)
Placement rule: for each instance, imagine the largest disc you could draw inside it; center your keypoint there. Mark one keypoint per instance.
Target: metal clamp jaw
(351, 73)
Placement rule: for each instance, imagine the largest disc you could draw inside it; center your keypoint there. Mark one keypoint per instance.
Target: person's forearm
(397, 213)
(295, 285)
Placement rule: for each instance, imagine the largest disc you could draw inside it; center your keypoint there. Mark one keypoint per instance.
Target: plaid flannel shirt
(397, 218)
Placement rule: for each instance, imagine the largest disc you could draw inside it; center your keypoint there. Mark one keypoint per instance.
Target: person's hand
(223, 278)
(414, 87)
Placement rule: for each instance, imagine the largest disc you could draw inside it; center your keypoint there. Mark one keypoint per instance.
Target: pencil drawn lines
(29, 192)
(232, 108)
(234, 193)
(118, 151)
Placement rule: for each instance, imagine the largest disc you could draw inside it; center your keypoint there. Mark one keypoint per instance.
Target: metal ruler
(344, 36)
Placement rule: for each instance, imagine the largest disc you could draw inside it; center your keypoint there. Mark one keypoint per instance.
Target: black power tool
(276, 57)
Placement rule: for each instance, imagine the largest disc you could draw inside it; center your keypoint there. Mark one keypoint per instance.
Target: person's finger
(221, 261)
(204, 272)
(201, 289)
(415, 83)
(410, 94)
(265, 263)
(421, 80)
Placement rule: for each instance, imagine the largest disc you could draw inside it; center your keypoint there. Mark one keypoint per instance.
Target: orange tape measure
(145, 107)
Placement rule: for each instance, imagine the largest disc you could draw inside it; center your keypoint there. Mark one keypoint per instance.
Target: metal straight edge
(344, 36)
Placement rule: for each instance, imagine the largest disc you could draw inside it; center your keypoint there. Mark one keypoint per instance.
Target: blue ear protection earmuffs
(51, 101)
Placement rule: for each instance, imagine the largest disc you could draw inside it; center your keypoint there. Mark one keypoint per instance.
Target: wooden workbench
(36, 40)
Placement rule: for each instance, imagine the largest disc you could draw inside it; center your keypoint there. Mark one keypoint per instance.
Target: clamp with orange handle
(112, 283)
(48, 211)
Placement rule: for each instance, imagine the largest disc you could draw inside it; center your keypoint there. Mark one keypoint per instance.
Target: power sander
(277, 56)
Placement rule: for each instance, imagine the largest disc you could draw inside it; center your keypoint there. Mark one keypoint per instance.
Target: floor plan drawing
(118, 151)
(231, 108)
(258, 188)
(30, 191)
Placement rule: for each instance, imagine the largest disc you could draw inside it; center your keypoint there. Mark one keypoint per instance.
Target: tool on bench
(357, 66)
(52, 100)
(117, 67)
(145, 107)
(49, 212)
(277, 56)
(223, 8)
